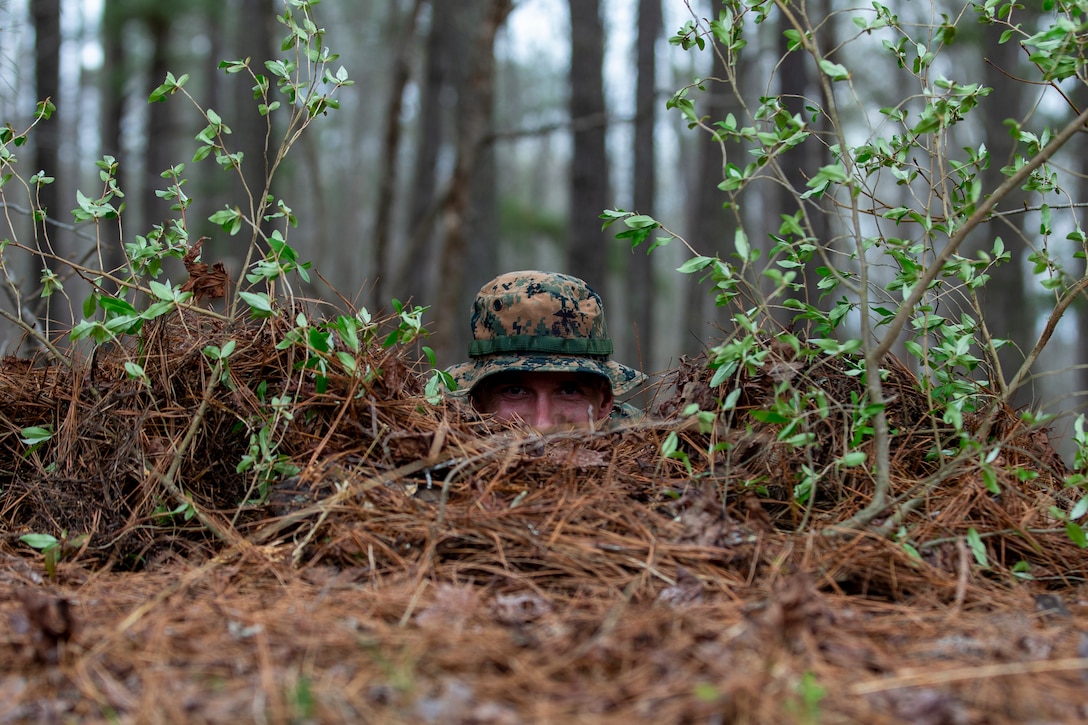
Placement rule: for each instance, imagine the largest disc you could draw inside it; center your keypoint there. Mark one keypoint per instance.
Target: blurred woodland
(481, 136)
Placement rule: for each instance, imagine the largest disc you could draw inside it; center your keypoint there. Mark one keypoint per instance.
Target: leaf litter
(427, 565)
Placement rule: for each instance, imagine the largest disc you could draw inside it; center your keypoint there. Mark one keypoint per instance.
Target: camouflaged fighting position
(540, 354)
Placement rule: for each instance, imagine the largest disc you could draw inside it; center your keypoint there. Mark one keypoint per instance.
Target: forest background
(481, 136)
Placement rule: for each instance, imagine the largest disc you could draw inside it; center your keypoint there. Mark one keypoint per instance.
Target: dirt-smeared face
(546, 400)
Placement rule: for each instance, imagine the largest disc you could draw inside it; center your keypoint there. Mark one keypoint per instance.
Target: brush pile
(412, 562)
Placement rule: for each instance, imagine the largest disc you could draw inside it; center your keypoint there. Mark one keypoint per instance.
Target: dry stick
(327, 437)
(878, 505)
(920, 288)
(87, 273)
(347, 492)
(1044, 338)
(227, 534)
(326, 505)
(296, 555)
(964, 571)
(32, 327)
(916, 494)
(873, 356)
(987, 534)
(943, 677)
(421, 584)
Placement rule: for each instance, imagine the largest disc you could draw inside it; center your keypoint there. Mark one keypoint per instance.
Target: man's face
(546, 400)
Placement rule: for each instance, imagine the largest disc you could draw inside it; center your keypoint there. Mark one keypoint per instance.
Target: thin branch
(1056, 315)
(944, 677)
(223, 532)
(1009, 185)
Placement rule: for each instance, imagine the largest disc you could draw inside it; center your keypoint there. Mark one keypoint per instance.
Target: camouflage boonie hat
(540, 322)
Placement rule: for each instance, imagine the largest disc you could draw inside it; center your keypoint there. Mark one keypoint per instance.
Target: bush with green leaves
(125, 306)
(901, 189)
(293, 91)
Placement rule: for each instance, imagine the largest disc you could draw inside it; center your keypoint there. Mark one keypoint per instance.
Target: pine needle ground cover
(407, 561)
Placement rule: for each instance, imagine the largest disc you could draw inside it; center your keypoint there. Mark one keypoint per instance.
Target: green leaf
(853, 458)
(124, 324)
(911, 551)
(694, 264)
(1079, 509)
(347, 360)
(259, 304)
(39, 541)
(36, 435)
(432, 391)
(114, 306)
(431, 360)
(228, 219)
(641, 221)
(1076, 534)
(611, 215)
(740, 242)
(672, 442)
(349, 335)
(1022, 570)
(170, 86)
(318, 340)
(834, 71)
(135, 371)
(914, 349)
(158, 309)
(799, 439)
(162, 291)
(974, 541)
(90, 305)
(92, 329)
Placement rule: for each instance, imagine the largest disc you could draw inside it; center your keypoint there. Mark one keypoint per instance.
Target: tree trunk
(796, 83)
(415, 277)
(114, 74)
(387, 174)
(1080, 377)
(160, 124)
(236, 31)
(474, 117)
(586, 243)
(253, 39)
(1008, 307)
(482, 255)
(641, 276)
(710, 228)
(46, 18)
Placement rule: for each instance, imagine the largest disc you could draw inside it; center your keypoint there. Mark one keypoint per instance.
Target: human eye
(512, 391)
(572, 390)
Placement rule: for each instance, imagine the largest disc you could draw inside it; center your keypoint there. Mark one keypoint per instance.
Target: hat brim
(469, 374)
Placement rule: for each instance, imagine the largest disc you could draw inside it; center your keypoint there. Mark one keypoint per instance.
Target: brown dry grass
(426, 566)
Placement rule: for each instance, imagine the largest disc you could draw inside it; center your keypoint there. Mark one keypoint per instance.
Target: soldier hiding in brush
(540, 354)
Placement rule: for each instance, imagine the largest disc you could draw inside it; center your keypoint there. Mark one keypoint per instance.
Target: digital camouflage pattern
(540, 321)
